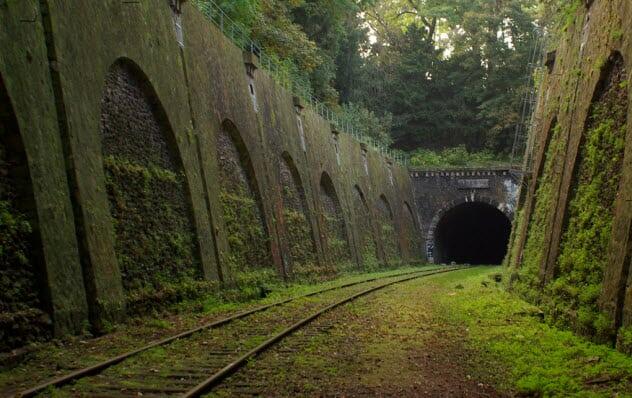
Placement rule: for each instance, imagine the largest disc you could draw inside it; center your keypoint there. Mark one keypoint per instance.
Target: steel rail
(101, 366)
(228, 370)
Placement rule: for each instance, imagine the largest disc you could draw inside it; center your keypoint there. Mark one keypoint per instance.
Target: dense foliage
(457, 156)
(437, 73)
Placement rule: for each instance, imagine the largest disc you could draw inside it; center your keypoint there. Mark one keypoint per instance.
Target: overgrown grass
(510, 334)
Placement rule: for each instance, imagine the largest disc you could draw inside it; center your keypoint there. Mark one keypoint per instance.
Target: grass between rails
(56, 358)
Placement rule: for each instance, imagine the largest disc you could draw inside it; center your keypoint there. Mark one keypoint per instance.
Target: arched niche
(22, 294)
(242, 205)
(301, 243)
(387, 229)
(336, 230)
(411, 230)
(150, 204)
(362, 215)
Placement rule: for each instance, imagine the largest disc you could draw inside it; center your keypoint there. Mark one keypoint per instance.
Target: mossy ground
(46, 360)
(534, 357)
(457, 334)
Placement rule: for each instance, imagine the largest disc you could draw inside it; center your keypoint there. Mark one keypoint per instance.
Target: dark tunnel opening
(472, 233)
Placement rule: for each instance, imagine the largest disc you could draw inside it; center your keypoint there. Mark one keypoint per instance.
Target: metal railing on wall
(236, 33)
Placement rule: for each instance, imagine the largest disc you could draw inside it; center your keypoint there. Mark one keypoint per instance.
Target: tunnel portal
(472, 233)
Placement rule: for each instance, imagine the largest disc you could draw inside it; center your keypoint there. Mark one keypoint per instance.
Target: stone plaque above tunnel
(473, 184)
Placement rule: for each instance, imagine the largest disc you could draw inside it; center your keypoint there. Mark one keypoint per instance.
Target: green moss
(246, 234)
(530, 357)
(624, 340)
(511, 259)
(337, 241)
(389, 240)
(369, 254)
(155, 240)
(527, 280)
(572, 296)
(301, 247)
(568, 14)
(616, 34)
(21, 317)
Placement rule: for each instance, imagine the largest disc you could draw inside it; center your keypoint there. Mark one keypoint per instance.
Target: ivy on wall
(155, 243)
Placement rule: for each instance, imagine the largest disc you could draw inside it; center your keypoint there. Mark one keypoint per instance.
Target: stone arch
(21, 274)
(336, 230)
(431, 234)
(388, 231)
(242, 204)
(150, 204)
(409, 212)
(299, 233)
(362, 222)
(586, 231)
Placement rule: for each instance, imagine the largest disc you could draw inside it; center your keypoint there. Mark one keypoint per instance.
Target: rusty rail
(100, 367)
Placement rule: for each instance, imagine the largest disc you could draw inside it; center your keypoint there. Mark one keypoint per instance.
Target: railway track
(194, 362)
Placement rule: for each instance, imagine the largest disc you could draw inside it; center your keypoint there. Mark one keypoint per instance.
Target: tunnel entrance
(472, 233)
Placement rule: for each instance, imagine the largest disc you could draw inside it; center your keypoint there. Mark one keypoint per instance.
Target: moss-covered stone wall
(387, 231)
(301, 245)
(367, 242)
(133, 203)
(242, 209)
(571, 244)
(336, 233)
(22, 316)
(155, 242)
